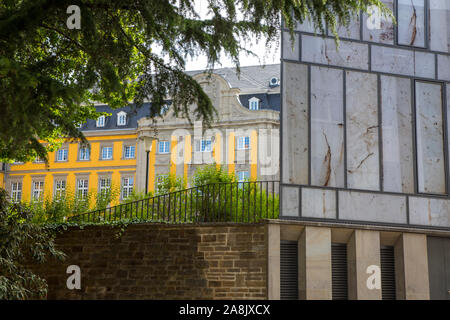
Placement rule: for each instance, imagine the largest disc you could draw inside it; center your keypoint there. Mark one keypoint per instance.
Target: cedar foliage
(22, 243)
(51, 75)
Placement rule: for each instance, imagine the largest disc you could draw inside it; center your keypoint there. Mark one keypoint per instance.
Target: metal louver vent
(288, 270)
(339, 271)
(387, 273)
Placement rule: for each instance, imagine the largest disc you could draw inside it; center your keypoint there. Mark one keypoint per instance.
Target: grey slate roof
(250, 78)
(133, 115)
(267, 101)
(253, 78)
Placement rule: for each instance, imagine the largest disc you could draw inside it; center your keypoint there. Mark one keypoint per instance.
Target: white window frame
(164, 110)
(166, 146)
(60, 188)
(254, 103)
(245, 176)
(203, 145)
(206, 145)
(125, 156)
(84, 154)
(82, 188)
(64, 152)
(108, 153)
(100, 123)
(16, 191)
(37, 193)
(241, 143)
(104, 185)
(127, 187)
(122, 118)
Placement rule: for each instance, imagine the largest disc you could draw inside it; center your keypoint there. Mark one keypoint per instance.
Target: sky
(264, 55)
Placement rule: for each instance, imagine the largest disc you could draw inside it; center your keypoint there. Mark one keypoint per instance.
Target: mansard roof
(253, 81)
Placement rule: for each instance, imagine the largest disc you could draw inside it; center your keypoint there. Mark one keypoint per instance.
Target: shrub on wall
(21, 240)
(214, 195)
(59, 208)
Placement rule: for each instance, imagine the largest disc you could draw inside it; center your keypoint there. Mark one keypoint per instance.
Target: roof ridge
(229, 68)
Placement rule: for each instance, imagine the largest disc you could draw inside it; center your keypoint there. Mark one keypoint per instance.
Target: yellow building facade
(116, 156)
(72, 170)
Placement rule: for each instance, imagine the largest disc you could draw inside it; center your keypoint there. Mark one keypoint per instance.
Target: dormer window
(253, 103)
(100, 121)
(164, 110)
(121, 118)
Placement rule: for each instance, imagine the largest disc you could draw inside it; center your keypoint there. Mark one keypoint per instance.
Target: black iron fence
(240, 202)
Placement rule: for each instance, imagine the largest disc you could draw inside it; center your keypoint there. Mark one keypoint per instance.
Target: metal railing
(239, 202)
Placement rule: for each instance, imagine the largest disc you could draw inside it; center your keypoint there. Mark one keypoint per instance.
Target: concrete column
(273, 256)
(411, 267)
(314, 264)
(363, 250)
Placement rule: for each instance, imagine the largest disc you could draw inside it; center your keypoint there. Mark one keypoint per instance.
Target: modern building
(245, 130)
(365, 159)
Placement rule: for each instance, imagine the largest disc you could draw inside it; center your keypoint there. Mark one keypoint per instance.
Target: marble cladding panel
(362, 131)
(443, 67)
(307, 26)
(398, 161)
(295, 123)
(317, 203)
(424, 64)
(440, 25)
(411, 22)
(327, 127)
(290, 201)
(361, 206)
(430, 143)
(352, 31)
(403, 62)
(448, 117)
(385, 32)
(391, 60)
(323, 51)
(429, 212)
(291, 49)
